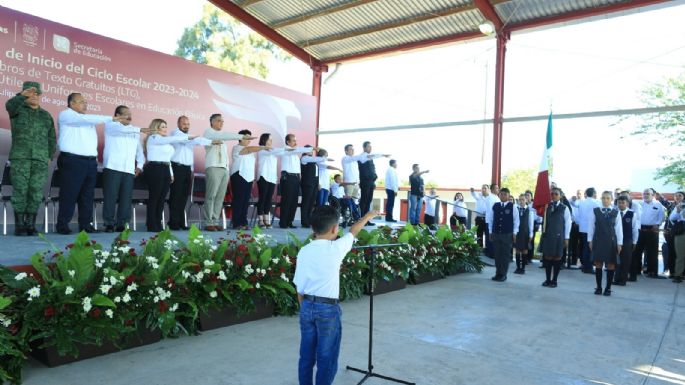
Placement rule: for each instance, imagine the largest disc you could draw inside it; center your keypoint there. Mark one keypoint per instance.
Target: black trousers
(158, 179)
(117, 188)
(575, 248)
(502, 246)
(647, 243)
(428, 219)
(482, 229)
(308, 198)
(389, 204)
(76, 186)
(290, 187)
(266, 192)
(241, 190)
(455, 219)
(624, 259)
(670, 242)
(178, 194)
(366, 187)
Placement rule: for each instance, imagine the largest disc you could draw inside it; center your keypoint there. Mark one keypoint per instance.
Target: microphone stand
(368, 373)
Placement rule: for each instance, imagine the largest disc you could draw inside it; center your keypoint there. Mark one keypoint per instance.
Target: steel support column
(317, 72)
(502, 39)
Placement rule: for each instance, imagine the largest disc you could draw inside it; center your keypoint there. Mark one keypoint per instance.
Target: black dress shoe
(501, 278)
(598, 291)
(292, 227)
(369, 223)
(546, 283)
(495, 277)
(518, 271)
(620, 283)
(632, 278)
(90, 230)
(66, 231)
(607, 292)
(185, 228)
(655, 276)
(552, 284)
(119, 229)
(109, 229)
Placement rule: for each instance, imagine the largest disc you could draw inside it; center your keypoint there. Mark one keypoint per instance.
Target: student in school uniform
(324, 178)
(429, 213)
(555, 235)
(536, 227)
(459, 211)
(524, 233)
(267, 177)
(631, 230)
(484, 202)
(502, 221)
(605, 238)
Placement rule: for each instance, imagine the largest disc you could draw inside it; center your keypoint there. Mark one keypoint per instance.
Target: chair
(98, 196)
(197, 196)
(5, 194)
(52, 199)
(139, 196)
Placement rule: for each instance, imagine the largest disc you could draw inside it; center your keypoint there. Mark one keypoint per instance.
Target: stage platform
(18, 250)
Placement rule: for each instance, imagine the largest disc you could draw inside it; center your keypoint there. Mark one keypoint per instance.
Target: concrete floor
(464, 329)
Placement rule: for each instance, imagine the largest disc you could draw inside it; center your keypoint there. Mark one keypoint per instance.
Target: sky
(597, 65)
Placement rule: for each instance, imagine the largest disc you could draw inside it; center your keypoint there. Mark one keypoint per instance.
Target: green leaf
(404, 237)
(39, 264)
(256, 231)
(284, 285)
(265, 257)
(193, 233)
(101, 300)
(4, 302)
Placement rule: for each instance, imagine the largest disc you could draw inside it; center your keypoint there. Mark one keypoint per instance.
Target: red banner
(109, 73)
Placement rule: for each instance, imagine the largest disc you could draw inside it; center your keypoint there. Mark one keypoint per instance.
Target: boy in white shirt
(317, 279)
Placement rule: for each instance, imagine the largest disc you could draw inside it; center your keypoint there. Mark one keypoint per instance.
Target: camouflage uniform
(33, 146)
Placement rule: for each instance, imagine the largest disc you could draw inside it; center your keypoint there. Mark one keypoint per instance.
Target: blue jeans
(322, 197)
(415, 204)
(320, 330)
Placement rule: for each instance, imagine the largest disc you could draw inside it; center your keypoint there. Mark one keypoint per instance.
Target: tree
(518, 181)
(668, 127)
(220, 41)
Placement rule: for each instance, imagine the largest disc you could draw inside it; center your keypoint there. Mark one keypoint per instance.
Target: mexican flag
(542, 190)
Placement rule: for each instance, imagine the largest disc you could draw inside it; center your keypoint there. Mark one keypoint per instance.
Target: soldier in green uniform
(33, 146)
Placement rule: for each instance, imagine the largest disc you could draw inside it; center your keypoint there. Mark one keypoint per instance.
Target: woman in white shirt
(242, 176)
(267, 176)
(459, 211)
(157, 171)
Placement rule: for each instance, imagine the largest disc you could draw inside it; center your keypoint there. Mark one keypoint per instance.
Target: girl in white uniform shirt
(459, 214)
(242, 176)
(157, 171)
(267, 176)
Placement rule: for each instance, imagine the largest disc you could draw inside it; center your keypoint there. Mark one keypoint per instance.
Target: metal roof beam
(583, 13)
(393, 25)
(247, 3)
(408, 46)
(319, 13)
(264, 30)
(488, 11)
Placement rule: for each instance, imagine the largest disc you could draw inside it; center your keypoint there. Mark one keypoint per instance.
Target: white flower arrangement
(20, 276)
(213, 294)
(86, 304)
(68, 290)
(132, 287)
(34, 292)
(5, 321)
(126, 298)
(109, 313)
(104, 289)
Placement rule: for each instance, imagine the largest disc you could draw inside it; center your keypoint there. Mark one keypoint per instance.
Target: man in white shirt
(351, 177)
(484, 202)
(216, 170)
(652, 216)
(392, 187)
(77, 163)
(123, 161)
(317, 280)
(289, 184)
(182, 163)
(584, 215)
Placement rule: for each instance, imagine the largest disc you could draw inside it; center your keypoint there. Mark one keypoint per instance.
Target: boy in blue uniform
(317, 278)
(502, 220)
